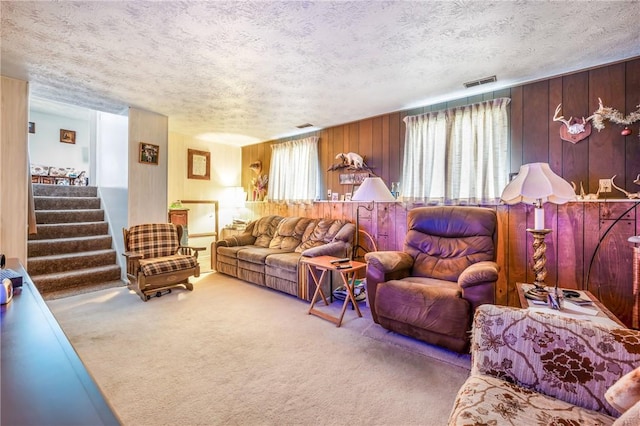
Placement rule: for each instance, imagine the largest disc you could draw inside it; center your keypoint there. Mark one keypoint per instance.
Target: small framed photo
(347, 196)
(32, 127)
(67, 136)
(335, 196)
(149, 153)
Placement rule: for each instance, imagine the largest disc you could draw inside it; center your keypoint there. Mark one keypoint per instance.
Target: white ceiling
(244, 72)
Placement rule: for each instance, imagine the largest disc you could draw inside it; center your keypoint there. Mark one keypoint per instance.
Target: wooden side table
(602, 311)
(323, 265)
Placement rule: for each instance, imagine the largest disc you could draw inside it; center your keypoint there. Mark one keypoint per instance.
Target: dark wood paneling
(555, 143)
(516, 159)
(575, 103)
(535, 125)
(632, 142)
(606, 147)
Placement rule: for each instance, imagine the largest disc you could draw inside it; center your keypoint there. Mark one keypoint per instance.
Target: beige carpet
(234, 353)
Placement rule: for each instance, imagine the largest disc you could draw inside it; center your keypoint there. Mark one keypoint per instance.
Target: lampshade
(373, 189)
(537, 183)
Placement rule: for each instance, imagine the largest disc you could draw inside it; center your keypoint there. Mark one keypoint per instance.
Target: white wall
(46, 149)
(112, 146)
(225, 174)
(147, 183)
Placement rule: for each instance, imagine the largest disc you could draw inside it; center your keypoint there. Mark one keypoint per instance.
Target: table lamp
(537, 184)
(372, 189)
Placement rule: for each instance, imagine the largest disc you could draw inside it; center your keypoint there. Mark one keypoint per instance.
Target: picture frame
(198, 164)
(32, 127)
(67, 136)
(148, 153)
(335, 196)
(347, 196)
(352, 178)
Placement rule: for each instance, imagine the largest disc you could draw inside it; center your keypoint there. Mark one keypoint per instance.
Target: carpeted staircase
(72, 250)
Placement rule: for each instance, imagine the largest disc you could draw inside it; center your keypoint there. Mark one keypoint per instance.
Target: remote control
(343, 267)
(343, 260)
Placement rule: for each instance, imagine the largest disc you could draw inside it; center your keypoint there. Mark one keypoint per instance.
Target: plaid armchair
(156, 261)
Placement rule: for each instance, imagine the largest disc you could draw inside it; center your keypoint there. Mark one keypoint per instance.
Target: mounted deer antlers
(572, 131)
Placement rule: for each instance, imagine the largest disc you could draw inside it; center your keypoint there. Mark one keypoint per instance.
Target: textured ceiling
(244, 72)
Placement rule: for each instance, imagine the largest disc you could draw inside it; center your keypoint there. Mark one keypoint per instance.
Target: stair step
(65, 190)
(45, 247)
(78, 278)
(66, 203)
(87, 288)
(70, 261)
(67, 230)
(69, 216)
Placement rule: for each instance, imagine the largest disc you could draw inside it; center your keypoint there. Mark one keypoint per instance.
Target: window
(458, 155)
(294, 174)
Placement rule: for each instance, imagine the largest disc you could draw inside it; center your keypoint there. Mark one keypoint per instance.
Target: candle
(538, 218)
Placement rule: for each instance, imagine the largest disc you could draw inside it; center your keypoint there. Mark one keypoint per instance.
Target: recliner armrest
(478, 273)
(389, 261)
(132, 255)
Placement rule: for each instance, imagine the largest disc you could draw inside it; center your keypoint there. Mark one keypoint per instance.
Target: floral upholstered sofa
(531, 368)
(269, 251)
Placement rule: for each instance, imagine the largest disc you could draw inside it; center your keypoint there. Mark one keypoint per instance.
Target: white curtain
(294, 173)
(458, 155)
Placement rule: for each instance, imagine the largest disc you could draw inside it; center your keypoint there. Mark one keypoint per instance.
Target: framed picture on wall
(149, 153)
(199, 164)
(67, 136)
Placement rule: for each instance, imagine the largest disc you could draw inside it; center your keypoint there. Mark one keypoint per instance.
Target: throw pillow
(631, 417)
(625, 393)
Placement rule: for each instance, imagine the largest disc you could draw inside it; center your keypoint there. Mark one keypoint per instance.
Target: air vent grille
(481, 81)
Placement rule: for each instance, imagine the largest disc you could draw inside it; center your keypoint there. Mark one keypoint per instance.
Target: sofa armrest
(574, 360)
(244, 239)
(336, 248)
(383, 266)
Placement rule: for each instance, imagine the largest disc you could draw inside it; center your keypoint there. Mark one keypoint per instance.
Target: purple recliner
(447, 269)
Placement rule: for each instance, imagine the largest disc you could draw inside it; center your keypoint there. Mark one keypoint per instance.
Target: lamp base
(537, 293)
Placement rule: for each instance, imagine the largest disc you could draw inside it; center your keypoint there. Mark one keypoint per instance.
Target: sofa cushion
(256, 254)
(430, 304)
(323, 232)
(625, 392)
(161, 265)
(153, 239)
(569, 359)
(290, 232)
(265, 229)
(486, 400)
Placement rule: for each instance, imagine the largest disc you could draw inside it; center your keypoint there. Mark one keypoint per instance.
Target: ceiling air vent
(302, 126)
(485, 80)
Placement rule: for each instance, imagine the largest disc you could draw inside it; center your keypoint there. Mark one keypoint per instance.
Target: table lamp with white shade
(537, 184)
(372, 189)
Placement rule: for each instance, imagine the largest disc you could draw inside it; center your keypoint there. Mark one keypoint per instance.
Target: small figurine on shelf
(259, 184)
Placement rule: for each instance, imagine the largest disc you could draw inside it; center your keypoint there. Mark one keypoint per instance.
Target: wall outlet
(605, 185)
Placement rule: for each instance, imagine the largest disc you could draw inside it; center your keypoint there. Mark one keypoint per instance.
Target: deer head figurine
(573, 130)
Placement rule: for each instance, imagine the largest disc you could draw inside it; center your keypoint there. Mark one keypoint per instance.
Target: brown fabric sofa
(431, 289)
(532, 368)
(269, 250)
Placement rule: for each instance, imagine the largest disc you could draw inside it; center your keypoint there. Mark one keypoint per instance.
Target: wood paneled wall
(581, 231)
(14, 173)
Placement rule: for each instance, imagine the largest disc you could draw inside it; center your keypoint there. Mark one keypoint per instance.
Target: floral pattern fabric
(542, 369)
